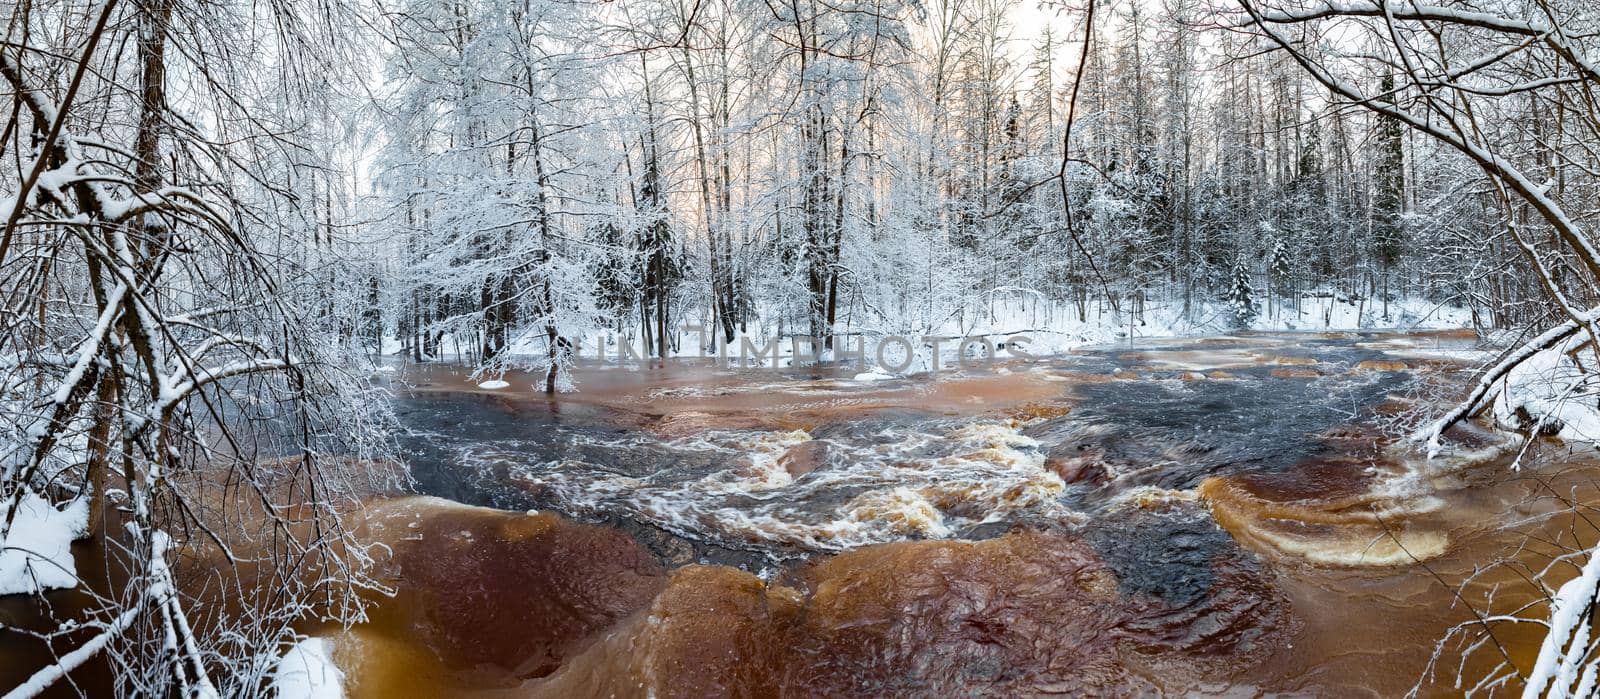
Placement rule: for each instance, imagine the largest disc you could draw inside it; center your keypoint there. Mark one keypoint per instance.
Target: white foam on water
(1368, 548)
(907, 484)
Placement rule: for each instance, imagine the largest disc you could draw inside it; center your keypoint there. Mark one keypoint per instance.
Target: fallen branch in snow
(1491, 382)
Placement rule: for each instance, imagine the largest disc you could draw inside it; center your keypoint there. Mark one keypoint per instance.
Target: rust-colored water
(1025, 613)
(686, 397)
(1174, 556)
(505, 604)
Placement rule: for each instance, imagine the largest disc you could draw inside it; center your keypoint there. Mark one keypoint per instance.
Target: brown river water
(1216, 517)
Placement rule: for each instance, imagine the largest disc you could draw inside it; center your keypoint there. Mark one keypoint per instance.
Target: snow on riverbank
(1062, 328)
(36, 553)
(1551, 393)
(1038, 328)
(307, 671)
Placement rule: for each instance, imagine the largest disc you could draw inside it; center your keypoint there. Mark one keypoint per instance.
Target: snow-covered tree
(1241, 296)
(171, 378)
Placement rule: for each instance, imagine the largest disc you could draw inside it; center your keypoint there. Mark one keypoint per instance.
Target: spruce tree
(1241, 295)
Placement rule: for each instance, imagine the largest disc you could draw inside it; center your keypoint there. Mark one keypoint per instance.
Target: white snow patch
(36, 553)
(307, 671)
(1015, 324)
(1553, 392)
(494, 384)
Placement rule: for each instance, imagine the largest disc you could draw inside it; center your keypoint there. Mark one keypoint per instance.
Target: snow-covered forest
(221, 216)
(559, 171)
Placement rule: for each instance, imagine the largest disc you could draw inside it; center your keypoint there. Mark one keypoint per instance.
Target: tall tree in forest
(1388, 206)
(482, 165)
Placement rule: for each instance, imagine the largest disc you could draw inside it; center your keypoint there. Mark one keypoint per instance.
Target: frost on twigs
(1568, 660)
(166, 336)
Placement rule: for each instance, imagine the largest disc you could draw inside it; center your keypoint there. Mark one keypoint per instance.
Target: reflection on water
(1218, 515)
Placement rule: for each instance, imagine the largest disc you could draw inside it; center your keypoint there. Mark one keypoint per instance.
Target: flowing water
(786, 464)
(1224, 516)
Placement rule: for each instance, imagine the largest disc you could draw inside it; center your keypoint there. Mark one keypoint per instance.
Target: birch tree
(165, 366)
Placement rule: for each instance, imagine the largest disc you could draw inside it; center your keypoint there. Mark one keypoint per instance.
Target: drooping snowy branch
(171, 367)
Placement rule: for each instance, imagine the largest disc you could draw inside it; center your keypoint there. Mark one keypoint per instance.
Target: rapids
(1223, 516)
(782, 465)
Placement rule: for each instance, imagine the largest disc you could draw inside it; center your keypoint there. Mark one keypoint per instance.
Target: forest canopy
(221, 216)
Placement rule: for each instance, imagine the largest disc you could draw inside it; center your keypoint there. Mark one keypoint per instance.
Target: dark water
(1164, 517)
(1171, 433)
(1183, 517)
(1183, 411)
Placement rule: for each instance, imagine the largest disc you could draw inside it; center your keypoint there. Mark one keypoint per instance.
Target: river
(1220, 516)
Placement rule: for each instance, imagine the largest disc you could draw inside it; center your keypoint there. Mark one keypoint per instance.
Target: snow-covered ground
(36, 552)
(1061, 329)
(1031, 327)
(307, 671)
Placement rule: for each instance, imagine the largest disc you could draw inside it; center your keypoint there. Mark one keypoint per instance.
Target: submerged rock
(1026, 614)
(505, 594)
(1382, 365)
(805, 457)
(1078, 462)
(545, 607)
